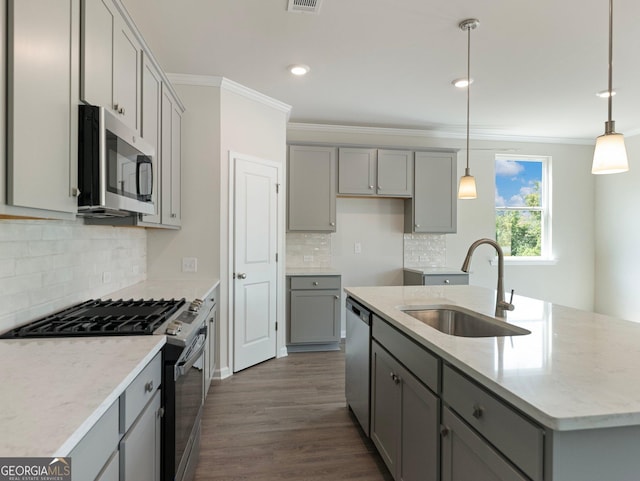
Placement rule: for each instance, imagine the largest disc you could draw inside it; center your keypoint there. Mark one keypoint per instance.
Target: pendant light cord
(468, 89)
(609, 128)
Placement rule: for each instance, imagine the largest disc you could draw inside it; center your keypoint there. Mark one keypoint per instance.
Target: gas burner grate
(101, 318)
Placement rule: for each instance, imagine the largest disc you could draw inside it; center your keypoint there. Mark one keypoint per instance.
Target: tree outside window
(522, 202)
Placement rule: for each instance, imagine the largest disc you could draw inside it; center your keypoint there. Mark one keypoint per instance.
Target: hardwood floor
(285, 419)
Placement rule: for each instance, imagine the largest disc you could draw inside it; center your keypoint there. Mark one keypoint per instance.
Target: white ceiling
(389, 63)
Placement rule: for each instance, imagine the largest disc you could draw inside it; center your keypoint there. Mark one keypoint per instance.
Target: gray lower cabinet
(313, 310)
(311, 192)
(433, 208)
(111, 472)
(404, 419)
(413, 277)
(140, 447)
(468, 457)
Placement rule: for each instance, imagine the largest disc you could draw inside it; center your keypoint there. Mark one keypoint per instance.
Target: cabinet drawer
(514, 435)
(96, 447)
(315, 282)
(139, 392)
(446, 279)
(415, 358)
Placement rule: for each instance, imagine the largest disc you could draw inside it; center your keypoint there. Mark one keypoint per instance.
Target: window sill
(525, 261)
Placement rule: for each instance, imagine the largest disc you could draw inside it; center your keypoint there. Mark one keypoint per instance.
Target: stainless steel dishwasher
(357, 354)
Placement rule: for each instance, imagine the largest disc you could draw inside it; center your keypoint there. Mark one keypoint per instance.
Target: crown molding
(231, 86)
(435, 133)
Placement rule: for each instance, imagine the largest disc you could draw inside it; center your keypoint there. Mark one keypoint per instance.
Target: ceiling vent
(304, 6)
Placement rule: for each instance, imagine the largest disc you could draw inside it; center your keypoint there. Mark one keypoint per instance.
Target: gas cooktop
(101, 318)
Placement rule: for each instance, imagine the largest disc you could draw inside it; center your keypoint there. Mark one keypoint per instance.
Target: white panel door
(255, 248)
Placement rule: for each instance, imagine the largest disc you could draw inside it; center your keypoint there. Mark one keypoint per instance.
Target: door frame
(281, 348)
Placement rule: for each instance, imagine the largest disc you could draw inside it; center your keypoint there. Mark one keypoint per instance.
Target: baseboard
(223, 373)
(283, 352)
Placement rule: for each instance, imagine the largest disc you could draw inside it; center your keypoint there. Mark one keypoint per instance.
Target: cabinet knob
(174, 216)
(370, 187)
(75, 192)
(447, 281)
(315, 283)
(478, 411)
(332, 223)
(417, 226)
(148, 387)
(396, 379)
(337, 297)
(444, 431)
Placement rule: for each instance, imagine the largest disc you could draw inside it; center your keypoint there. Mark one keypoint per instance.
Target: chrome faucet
(501, 304)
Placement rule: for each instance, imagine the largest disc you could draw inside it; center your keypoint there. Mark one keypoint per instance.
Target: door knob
(242, 275)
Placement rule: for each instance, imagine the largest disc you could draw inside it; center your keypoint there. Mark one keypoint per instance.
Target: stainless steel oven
(184, 383)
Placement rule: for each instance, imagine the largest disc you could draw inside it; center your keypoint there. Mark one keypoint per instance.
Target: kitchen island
(574, 379)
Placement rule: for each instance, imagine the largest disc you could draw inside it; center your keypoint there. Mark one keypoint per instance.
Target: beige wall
(217, 121)
(570, 281)
(618, 239)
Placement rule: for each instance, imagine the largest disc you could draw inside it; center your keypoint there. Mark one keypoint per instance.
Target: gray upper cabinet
(357, 171)
(171, 155)
(395, 173)
(311, 189)
(375, 172)
(111, 62)
(151, 126)
(433, 208)
(42, 100)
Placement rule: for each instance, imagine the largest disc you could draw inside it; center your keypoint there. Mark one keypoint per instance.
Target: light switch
(357, 248)
(189, 264)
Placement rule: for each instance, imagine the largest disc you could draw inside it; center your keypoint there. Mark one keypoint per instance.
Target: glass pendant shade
(467, 186)
(610, 155)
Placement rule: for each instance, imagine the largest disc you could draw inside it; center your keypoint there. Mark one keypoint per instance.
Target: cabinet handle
(121, 110)
(75, 192)
(478, 411)
(160, 413)
(148, 387)
(444, 431)
(173, 216)
(315, 283)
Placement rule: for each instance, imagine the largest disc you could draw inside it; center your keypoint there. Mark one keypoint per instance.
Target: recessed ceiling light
(299, 69)
(461, 83)
(604, 94)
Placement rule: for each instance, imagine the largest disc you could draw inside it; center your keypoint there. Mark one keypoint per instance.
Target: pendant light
(467, 186)
(610, 154)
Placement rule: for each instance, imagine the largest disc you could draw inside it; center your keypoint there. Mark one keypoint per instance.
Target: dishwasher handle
(358, 310)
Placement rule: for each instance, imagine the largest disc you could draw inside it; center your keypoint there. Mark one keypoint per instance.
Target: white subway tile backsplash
(308, 250)
(49, 265)
(425, 250)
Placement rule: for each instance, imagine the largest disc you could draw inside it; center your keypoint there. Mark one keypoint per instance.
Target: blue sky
(514, 180)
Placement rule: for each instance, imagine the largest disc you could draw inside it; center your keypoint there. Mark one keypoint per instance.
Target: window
(523, 206)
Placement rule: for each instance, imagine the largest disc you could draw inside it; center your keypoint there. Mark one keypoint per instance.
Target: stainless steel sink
(459, 323)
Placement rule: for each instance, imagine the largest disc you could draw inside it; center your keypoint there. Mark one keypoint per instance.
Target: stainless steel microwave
(115, 167)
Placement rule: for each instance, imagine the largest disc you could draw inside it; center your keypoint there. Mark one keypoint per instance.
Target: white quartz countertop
(576, 370)
(312, 271)
(167, 289)
(54, 390)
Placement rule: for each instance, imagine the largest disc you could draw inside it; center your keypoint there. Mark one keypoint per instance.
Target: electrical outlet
(357, 248)
(307, 259)
(189, 264)
(106, 277)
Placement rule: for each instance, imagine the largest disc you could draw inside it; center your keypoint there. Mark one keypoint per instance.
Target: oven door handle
(183, 366)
